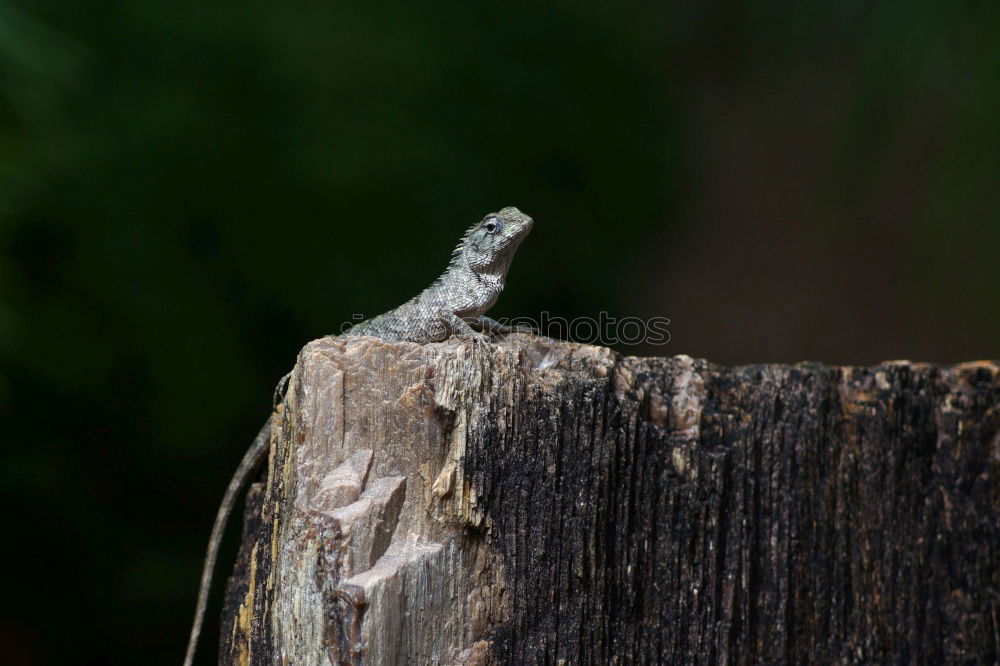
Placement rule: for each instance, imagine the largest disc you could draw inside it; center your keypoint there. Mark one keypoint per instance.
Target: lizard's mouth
(517, 238)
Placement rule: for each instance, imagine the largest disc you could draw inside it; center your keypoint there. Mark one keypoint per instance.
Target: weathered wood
(545, 502)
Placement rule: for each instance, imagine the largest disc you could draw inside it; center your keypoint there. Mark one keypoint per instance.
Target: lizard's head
(489, 245)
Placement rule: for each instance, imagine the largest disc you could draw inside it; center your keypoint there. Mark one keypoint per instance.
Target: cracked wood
(545, 502)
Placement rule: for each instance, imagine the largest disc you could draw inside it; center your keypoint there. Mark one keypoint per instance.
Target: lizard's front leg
(460, 328)
(489, 325)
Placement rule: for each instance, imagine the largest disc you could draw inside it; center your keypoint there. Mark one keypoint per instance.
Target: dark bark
(564, 504)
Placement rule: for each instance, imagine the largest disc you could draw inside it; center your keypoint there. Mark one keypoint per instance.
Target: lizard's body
(461, 296)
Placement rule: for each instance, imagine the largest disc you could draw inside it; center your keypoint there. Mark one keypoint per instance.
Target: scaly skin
(454, 304)
(467, 289)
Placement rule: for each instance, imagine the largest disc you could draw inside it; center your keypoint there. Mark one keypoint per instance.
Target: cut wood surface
(543, 502)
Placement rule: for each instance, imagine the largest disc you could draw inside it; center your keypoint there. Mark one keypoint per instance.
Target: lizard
(454, 305)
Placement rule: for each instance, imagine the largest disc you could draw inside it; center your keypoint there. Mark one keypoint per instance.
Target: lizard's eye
(492, 225)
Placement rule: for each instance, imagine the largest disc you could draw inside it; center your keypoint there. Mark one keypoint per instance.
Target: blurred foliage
(190, 191)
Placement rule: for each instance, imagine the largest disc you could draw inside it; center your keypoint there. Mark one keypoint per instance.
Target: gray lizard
(454, 305)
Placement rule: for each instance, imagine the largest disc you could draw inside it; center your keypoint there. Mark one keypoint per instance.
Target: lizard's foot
(476, 338)
(494, 327)
(460, 328)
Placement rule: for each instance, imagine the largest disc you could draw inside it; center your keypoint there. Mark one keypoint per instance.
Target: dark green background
(191, 190)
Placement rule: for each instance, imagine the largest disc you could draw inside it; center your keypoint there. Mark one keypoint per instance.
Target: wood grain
(541, 502)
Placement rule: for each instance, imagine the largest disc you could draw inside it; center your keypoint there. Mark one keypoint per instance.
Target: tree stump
(542, 502)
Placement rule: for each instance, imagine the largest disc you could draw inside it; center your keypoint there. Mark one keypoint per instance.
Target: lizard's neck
(494, 281)
(469, 291)
(495, 276)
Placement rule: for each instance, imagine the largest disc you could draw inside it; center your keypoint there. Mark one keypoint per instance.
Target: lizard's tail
(254, 455)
